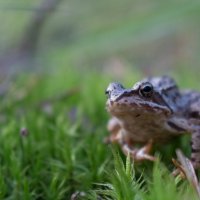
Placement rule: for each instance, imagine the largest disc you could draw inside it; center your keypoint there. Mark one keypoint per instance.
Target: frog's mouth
(124, 105)
(132, 104)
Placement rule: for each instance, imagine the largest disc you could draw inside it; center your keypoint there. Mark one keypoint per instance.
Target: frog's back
(162, 83)
(192, 103)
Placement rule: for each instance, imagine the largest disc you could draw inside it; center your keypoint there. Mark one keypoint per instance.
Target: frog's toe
(140, 154)
(144, 152)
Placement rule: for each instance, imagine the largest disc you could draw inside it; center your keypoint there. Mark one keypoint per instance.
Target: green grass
(125, 185)
(83, 47)
(63, 151)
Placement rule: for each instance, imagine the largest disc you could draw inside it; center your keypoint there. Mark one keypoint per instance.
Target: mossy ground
(53, 118)
(52, 131)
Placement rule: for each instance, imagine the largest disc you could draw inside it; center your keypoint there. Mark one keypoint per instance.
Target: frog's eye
(146, 90)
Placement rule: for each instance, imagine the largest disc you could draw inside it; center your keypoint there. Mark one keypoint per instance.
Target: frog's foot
(140, 154)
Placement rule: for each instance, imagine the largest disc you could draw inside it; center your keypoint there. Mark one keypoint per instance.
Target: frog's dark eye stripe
(146, 90)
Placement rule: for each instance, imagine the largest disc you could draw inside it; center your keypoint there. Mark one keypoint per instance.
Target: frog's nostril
(107, 93)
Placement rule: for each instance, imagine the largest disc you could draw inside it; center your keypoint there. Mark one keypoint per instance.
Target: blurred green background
(153, 37)
(56, 59)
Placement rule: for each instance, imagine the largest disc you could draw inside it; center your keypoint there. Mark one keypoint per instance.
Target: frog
(154, 111)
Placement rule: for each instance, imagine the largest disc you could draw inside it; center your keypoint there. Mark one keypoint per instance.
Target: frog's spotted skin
(154, 110)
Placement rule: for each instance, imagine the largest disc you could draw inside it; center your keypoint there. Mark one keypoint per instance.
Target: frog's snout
(114, 89)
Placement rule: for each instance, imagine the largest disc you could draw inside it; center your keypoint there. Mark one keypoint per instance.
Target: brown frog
(154, 110)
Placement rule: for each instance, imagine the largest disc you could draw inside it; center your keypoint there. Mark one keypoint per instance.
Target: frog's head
(142, 98)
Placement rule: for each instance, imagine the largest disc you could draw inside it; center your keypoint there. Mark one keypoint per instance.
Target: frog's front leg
(195, 149)
(114, 128)
(139, 154)
(128, 145)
